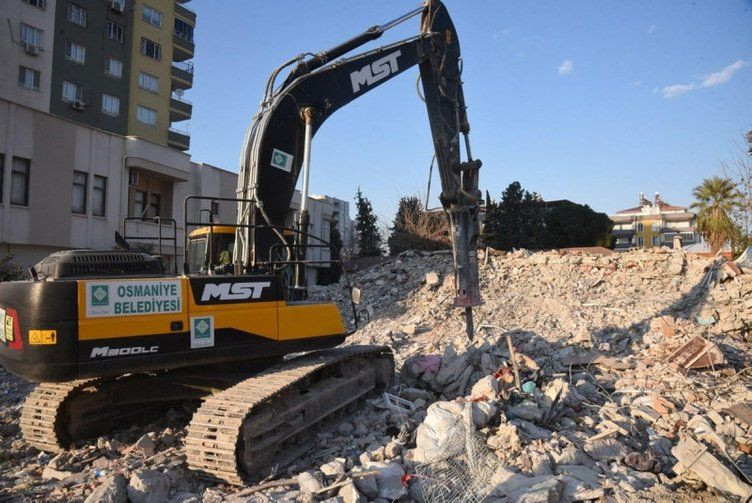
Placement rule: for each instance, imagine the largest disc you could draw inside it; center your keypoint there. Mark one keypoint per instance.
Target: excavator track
(55, 415)
(41, 414)
(240, 431)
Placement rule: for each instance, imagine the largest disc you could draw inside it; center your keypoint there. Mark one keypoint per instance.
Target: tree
(739, 171)
(369, 238)
(417, 229)
(514, 222)
(10, 271)
(523, 219)
(717, 198)
(570, 224)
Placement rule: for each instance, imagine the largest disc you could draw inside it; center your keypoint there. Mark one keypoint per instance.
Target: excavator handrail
(347, 286)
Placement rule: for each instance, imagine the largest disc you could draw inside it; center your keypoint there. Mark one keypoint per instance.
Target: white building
(66, 185)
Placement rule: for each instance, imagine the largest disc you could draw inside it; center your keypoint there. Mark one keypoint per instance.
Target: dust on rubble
(593, 376)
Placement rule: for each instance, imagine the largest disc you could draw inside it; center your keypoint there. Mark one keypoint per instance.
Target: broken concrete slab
(694, 456)
(698, 353)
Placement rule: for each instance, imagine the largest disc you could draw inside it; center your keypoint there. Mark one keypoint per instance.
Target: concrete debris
(632, 385)
(432, 278)
(349, 493)
(111, 490)
(696, 354)
(308, 483)
(694, 456)
(741, 411)
(146, 445)
(148, 486)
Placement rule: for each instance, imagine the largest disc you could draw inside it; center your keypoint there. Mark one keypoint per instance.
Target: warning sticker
(281, 160)
(2, 324)
(42, 337)
(129, 298)
(9, 328)
(202, 332)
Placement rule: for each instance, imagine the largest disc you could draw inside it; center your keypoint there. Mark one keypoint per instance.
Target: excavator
(109, 334)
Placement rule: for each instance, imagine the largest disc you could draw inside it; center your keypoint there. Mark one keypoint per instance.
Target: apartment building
(654, 223)
(121, 66)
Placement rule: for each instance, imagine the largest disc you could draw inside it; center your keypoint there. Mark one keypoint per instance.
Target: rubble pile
(591, 376)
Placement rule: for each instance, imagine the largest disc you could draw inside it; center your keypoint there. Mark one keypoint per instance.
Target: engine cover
(98, 263)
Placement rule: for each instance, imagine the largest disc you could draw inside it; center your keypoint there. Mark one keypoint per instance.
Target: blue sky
(589, 101)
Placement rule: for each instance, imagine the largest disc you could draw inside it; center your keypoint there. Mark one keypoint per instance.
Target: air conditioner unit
(78, 105)
(132, 178)
(31, 48)
(117, 5)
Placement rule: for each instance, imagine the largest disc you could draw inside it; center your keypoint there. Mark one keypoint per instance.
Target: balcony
(178, 139)
(182, 46)
(180, 109)
(182, 75)
(186, 13)
(623, 233)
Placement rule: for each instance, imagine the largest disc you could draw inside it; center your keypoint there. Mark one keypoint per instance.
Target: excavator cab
(210, 249)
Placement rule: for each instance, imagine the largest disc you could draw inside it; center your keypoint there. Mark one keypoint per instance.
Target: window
(640, 227)
(19, 181)
(640, 241)
(152, 16)
(28, 78)
(76, 14)
(151, 49)
(688, 237)
(154, 205)
(31, 36)
(110, 104)
(113, 67)
(668, 237)
(42, 4)
(139, 201)
(72, 92)
(115, 31)
(99, 195)
(656, 241)
(146, 116)
(183, 30)
(148, 82)
(75, 52)
(79, 192)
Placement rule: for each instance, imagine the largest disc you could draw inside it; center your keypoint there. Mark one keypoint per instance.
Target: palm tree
(716, 199)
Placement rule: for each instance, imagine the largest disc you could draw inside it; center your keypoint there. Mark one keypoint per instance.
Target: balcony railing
(185, 66)
(175, 97)
(178, 138)
(184, 130)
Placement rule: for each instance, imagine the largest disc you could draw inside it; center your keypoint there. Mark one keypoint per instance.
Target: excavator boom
(276, 148)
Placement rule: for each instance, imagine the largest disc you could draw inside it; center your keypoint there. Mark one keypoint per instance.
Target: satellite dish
(179, 93)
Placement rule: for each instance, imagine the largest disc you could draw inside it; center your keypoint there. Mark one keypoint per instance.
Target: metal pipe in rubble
(303, 219)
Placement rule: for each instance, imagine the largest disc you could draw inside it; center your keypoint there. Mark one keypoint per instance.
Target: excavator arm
(277, 144)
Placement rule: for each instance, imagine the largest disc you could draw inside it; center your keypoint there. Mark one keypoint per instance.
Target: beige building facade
(66, 185)
(653, 224)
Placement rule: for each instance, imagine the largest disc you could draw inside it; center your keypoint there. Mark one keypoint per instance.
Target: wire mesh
(461, 466)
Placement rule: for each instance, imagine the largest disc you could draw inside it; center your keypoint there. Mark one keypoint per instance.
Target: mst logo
(233, 291)
(106, 351)
(376, 71)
